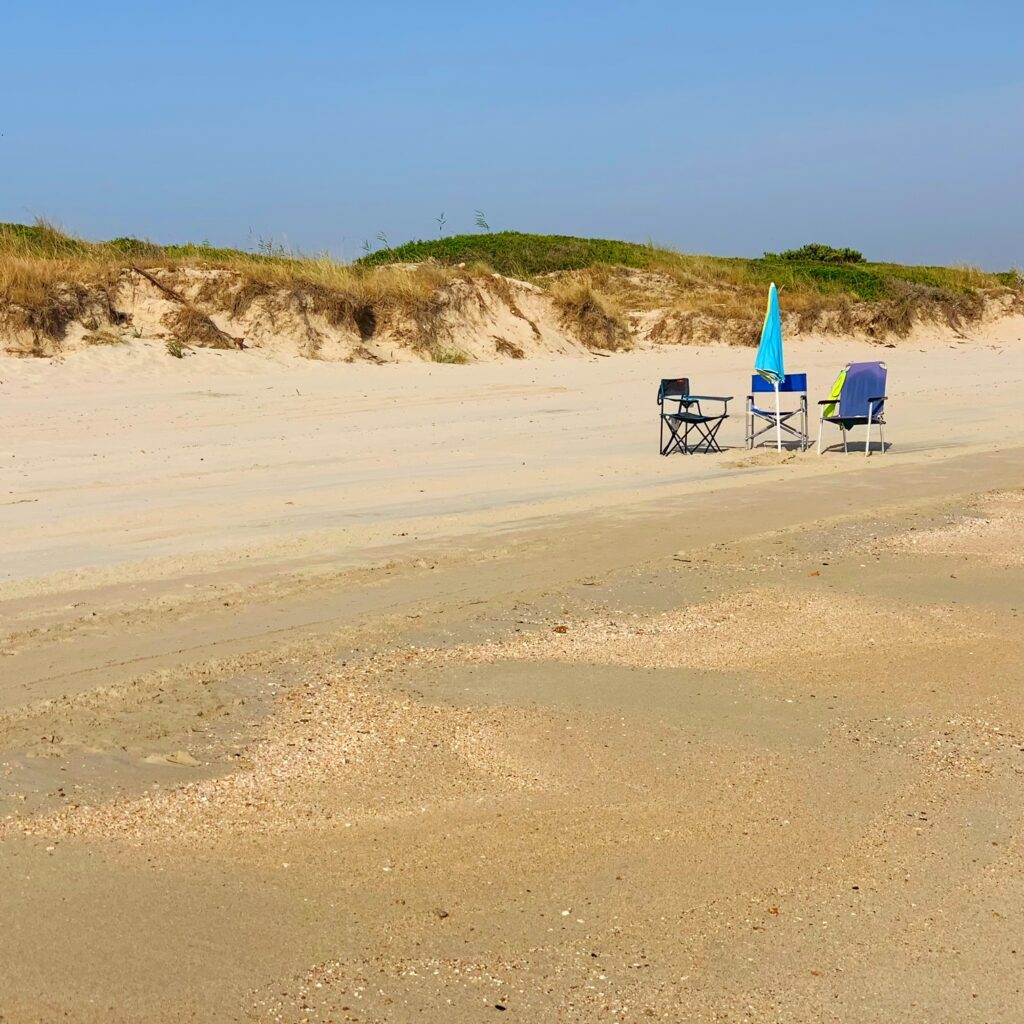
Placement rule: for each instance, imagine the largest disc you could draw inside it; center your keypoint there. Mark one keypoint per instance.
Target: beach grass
(49, 278)
(720, 298)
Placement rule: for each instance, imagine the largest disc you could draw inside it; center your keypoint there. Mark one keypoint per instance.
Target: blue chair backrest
(673, 387)
(794, 382)
(864, 381)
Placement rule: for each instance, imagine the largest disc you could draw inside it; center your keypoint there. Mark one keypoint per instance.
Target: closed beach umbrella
(769, 362)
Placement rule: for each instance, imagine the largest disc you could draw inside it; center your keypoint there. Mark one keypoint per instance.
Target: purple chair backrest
(864, 381)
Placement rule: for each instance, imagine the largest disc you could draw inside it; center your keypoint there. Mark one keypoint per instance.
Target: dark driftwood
(177, 296)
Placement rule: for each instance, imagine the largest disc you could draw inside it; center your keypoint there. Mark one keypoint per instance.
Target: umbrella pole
(778, 420)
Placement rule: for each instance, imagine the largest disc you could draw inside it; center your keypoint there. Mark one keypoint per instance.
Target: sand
(123, 454)
(432, 693)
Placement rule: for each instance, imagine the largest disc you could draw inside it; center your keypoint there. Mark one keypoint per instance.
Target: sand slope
(427, 313)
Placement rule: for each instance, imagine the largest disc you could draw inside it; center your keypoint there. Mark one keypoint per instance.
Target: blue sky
(897, 128)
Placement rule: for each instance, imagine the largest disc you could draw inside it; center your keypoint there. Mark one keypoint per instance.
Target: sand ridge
(335, 749)
(991, 534)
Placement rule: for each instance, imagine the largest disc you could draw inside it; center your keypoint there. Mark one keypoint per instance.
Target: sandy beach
(417, 692)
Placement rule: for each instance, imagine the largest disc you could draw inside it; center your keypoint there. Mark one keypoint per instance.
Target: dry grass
(364, 300)
(702, 326)
(710, 300)
(193, 328)
(49, 280)
(103, 337)
(41, 294)
(594, 315)
(453, 356)
(504, 347)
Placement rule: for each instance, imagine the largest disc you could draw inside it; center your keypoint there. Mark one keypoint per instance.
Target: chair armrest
(878, 398)
(708, 398)
(829, 401)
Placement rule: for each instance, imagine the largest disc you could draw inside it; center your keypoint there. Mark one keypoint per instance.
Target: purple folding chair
(861, 402)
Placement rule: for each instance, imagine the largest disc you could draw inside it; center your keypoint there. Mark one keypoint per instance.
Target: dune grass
(593, 312)
(33, 257)
(49, 279)
(526, 255)
(716, 297)
(516, 254)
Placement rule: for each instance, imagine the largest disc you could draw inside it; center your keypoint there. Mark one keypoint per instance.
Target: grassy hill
(518, 255)
(525, 255)
(723, 298)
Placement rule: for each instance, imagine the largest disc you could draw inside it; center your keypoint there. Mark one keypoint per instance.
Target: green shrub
(134, 247)
(519, 255)
(41, 239)
(815, 252)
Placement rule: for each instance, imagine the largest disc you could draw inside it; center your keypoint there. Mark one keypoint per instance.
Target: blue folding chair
(794, 384)
(857, 399)
(688, 418)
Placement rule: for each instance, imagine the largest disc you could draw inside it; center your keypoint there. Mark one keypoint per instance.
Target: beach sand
(432, 693)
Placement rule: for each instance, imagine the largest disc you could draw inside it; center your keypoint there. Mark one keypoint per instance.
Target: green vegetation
(48, 242)
(449, 355)
(40, 239)
(867, 281)
(594, 280)
(815, 252)
(817, 268)
(516, 254)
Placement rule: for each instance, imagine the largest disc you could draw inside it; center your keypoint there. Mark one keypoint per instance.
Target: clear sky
(727, 128)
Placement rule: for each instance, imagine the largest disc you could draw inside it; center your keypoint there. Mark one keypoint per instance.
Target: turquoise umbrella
(769, 362)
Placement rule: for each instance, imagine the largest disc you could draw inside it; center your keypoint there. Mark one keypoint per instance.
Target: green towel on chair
(837, 390)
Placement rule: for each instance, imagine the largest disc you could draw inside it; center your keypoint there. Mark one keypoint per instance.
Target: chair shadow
(857, 448)
(787, 446)
(724, 450)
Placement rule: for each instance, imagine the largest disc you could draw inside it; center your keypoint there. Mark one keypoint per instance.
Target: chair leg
(672, 444)
(846, 446)
(712, 436)
(706, 435)
(704, 441)
(675, 442)
(867, 441)
(821, 429)
(881, 434)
